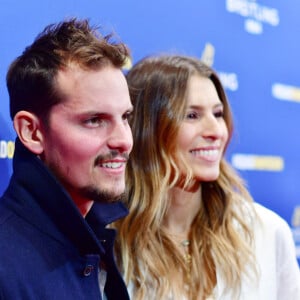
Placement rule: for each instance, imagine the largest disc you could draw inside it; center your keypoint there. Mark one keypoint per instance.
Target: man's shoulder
(9, 236)
(5, 213)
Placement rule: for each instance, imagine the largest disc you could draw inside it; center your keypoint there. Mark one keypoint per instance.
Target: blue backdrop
(253, 45)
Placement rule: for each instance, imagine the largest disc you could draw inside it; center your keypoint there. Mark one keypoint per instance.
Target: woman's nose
(212, 127)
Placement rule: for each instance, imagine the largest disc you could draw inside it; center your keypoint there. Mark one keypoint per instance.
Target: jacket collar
(42, 200)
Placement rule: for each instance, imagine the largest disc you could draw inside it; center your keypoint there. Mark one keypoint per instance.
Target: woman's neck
(184, 206)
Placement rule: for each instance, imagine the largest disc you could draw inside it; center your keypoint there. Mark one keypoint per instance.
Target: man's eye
(93, 121)
(127, 116)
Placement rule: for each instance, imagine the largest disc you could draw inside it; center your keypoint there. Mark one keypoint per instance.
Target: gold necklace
(188, 259)
(187, 256)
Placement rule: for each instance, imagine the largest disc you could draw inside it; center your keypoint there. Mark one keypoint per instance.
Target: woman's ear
(28, 127)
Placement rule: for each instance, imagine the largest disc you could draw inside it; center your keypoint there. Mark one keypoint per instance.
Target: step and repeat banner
(253, 45)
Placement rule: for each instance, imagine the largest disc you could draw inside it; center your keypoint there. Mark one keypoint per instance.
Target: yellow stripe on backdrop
(258, 162)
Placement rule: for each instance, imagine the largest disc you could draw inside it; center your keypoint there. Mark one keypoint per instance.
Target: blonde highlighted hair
(221, 237)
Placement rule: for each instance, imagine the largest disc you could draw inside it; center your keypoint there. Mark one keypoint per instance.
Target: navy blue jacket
(47, 249)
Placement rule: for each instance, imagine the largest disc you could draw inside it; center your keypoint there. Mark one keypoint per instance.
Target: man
(70, 105)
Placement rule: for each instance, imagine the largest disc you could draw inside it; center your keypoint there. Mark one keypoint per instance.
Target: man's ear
(29, 130)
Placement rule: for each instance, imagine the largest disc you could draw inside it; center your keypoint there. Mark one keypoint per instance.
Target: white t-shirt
(279, 273)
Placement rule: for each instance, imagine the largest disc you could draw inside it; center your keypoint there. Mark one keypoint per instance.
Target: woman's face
(203, 134)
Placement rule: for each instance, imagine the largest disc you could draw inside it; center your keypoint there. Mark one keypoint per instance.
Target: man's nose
(121, 137)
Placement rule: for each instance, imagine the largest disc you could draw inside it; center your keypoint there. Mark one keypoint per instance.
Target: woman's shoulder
(276, 253)
(273, 229)
(270, 219)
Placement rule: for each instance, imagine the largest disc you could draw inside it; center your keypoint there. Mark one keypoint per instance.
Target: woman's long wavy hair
(221, 237)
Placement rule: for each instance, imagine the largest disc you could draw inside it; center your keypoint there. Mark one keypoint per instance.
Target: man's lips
(112, 160)
(112, 164)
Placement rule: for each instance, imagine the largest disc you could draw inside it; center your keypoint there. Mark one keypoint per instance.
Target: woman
(193, 231)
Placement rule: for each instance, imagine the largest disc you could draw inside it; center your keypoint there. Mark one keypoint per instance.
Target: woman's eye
(192, 115)
(219, 114)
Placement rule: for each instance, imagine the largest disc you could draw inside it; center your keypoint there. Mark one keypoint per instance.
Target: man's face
(88, 140)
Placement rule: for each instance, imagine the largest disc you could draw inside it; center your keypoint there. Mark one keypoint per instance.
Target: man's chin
(101, 196)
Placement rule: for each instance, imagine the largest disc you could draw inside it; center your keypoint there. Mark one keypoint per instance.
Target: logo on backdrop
(286, 92)
(255, 14)
(229, 80)
(257, 162)
(7, 149)
(128, 64)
